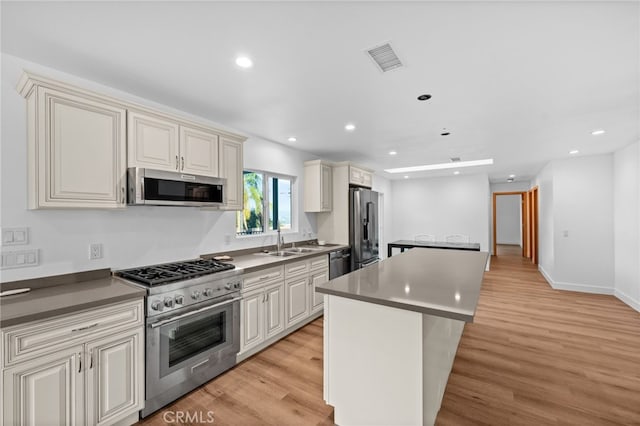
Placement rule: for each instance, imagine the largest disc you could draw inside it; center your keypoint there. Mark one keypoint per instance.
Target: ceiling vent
(385, 57)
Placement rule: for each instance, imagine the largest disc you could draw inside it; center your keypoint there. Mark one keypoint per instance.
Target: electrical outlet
(227, 238)
(565, 234)
(95, 251)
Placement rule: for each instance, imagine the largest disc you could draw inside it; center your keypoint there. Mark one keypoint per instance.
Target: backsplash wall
(132, 237)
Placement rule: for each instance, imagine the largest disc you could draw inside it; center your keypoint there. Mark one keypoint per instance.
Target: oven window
(189, 338)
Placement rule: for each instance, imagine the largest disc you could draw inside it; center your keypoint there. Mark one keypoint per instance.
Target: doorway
(528, 223)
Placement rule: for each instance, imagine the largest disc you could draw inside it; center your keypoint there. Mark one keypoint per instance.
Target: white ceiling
(520, 82)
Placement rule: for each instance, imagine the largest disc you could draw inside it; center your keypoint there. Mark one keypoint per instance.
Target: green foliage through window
(267, 203)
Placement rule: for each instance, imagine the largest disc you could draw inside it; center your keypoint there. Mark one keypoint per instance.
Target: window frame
(266, 198)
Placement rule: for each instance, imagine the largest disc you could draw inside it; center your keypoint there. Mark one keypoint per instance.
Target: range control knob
(208, 292)
(179, 300)
(157, 306)
(195, 295)
(168, 302)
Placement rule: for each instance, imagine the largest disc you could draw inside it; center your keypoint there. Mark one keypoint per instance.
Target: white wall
(626, 199)
(132, 237)
(440, 206)
(383, 186)
(581, 229)
(508, 219)
(544, 182)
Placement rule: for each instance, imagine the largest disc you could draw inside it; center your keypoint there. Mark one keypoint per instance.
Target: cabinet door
(46, 390)
(355, 176)
(198, 152)
(367, 179)
(274, 312)
(231, 169)
(115, 379)
(317, 299)
(326, 188)
(251, 319)
(80, 149)
(152, 142)
(297, 291)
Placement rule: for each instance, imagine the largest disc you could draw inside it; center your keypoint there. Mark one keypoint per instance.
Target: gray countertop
(255, 261)
(443, 283)
(46, 302)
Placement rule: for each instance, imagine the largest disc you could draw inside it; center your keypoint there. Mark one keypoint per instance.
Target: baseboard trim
(628, 300)
(583, 288)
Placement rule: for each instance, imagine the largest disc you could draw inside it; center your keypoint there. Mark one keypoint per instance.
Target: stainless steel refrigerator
(363, 227)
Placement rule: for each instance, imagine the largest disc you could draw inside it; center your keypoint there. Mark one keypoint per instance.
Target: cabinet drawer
(263, 276)
(296, 268)
(35, 339)
(319, 262)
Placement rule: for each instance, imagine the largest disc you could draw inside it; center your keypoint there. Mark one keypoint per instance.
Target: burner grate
(171, 272)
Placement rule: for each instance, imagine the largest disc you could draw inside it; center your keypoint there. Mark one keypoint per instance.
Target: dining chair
(457, 238)
(427, 238)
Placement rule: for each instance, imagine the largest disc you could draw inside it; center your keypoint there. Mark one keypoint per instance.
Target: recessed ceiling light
(598, 132)
(244, 62)
(349, 127)
(292, 139)
(445, 132)
(510, 180)
(512, 176)
(406, 177)
(393, 152)
(424, 97)
(573, 151)
(457, 172)
(440, 166)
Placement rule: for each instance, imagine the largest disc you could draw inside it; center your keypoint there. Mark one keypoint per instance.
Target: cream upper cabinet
(152, 142)
(231, 168)
(163, 144)
(317, 186)
(76, 148)
(360, 176)
(198, 152)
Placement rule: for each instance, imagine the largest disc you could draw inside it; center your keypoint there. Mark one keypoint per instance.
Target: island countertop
(443, 283)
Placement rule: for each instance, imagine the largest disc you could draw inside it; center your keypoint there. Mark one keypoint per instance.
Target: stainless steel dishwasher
(339, 262)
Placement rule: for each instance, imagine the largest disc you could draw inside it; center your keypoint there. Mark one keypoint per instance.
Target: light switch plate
(15, 236)
(20, 259)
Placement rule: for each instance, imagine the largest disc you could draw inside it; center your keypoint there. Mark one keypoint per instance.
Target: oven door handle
(197, 311)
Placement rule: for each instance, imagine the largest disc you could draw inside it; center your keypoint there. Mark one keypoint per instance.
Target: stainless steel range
(192, 325)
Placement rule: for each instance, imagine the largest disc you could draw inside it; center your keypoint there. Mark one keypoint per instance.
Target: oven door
(187, 349)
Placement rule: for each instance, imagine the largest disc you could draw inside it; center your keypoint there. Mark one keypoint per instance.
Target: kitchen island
(391, 331)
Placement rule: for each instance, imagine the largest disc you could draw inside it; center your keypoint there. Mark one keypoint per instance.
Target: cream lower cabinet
(262, 311)
(76, 148)
(316, 299)
(297, 289)
(91, 380)
(301, 279)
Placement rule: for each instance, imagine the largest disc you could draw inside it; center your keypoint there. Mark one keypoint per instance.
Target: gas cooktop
(172, 272)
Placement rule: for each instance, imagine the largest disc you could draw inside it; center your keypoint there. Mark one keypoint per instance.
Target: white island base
(383, 365)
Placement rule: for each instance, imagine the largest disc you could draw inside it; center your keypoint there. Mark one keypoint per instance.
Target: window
(267, 203)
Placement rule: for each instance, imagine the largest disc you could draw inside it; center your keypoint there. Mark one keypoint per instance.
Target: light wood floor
(533, 356)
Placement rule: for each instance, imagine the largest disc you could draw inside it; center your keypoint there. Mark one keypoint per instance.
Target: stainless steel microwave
(163, 188)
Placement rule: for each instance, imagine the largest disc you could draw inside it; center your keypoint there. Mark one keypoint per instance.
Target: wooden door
(274, 309)
(115, 377)
(251, 319)
(152, 142)
(46, 390)
(198, 152)
(82, 156)
(534, 225)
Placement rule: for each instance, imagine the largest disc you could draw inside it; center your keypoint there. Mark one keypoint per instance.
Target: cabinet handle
(79, 362)
(267, 297)
(182, 158)
(177, 164)
(124, 199)
(90, 359)
(84, 328)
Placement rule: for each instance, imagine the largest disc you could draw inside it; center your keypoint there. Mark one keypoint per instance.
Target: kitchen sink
(297, 250)
(281, 253)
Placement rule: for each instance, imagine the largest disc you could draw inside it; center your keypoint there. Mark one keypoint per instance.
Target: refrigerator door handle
(366, 222)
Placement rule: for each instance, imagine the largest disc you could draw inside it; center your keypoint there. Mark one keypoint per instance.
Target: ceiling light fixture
(445, 132)
(457, 172)
(512, 176)
(393, 153)
(510, 180)
(350, 127)
(424, 97)
(598, 132)
(440, 166)
(573, 151)
(244, 62)
(292, 139)
(406, 177)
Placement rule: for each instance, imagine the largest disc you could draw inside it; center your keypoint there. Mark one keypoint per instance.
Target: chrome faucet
(280, 241)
